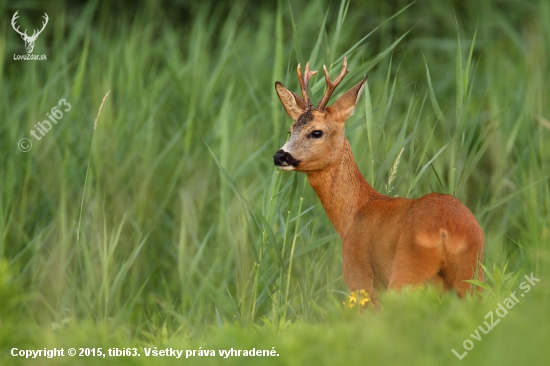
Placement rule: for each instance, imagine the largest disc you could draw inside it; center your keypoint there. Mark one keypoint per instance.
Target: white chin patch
(286, 167)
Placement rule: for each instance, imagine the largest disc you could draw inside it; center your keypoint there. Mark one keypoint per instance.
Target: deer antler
(13, 19)
(331, 85)
(304, 81)
(43, 26)
(24, 34)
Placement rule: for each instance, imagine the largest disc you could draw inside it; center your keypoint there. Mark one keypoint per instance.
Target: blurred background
(169, 217)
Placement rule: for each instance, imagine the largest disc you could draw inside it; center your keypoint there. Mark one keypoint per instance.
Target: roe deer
(387, 242)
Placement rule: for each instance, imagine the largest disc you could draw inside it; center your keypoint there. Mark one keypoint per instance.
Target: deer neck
(342, 190)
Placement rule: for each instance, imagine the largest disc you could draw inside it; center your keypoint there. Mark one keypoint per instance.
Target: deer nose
(282, 158)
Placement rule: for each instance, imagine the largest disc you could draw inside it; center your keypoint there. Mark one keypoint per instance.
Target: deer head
(29, 41)
(317, 134)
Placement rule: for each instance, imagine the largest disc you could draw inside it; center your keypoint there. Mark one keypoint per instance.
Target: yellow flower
(361, 297)
(365, 298)
(352, 300)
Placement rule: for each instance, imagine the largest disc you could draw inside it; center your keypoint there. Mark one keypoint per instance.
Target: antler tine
(331, 85)
(304, 81)
(45, 16)
(13, 24)
(43, 25)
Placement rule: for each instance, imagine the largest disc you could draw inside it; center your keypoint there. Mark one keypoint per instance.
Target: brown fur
(387, 242)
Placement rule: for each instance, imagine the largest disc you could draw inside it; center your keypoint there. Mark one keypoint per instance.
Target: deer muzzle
(285, 160)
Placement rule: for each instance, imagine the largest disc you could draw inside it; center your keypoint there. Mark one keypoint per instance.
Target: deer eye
(317, 134)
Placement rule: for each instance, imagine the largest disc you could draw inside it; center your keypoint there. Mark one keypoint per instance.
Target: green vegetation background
(168, 225)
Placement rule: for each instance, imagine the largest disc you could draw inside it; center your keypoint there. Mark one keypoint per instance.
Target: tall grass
(174, 219)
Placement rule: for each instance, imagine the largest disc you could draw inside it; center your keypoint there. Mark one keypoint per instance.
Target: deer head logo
(29, 41)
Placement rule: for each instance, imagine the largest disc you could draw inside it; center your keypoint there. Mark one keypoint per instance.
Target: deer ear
(293, 103)
(344, 107)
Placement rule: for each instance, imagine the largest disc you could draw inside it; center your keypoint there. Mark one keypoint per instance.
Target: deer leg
(461, 267)
(358, 275)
